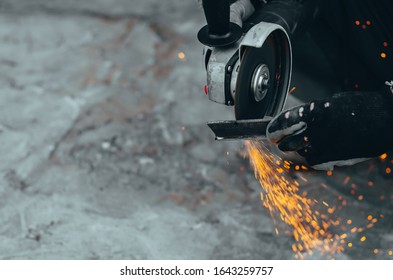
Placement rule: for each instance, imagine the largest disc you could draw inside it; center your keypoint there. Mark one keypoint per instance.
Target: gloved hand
(344, 130)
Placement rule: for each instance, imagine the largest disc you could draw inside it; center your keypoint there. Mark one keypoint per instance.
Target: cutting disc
(263, 79)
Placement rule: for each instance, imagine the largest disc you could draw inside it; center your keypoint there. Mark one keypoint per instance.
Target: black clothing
(356, 36)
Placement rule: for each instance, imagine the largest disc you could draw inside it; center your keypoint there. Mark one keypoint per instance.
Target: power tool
(247, 67)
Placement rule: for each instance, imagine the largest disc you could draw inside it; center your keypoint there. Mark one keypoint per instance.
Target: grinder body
(251, 71)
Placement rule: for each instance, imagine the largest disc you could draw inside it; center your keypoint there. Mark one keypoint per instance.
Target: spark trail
(281, 196)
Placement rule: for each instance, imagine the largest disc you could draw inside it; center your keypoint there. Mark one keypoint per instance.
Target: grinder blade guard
(251, 72)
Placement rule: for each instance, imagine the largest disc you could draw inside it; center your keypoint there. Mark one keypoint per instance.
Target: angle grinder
(248, 68)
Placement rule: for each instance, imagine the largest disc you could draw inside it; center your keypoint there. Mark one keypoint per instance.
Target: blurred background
(105, 152)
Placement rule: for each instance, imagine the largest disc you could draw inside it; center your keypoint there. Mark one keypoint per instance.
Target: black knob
(218, 32)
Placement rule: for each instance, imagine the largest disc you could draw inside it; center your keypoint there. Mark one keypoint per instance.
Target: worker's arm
(345, 129)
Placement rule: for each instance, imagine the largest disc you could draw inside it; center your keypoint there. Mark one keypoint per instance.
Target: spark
(383, 156)
(331, 210)
(292, 90)
(383, 55)
(181, 55)
(311, 230)
(282, 197)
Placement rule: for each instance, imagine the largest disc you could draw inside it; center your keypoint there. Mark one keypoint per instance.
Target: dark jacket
(356, 36)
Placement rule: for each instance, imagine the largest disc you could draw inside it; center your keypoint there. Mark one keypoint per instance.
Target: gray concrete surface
(105, 151)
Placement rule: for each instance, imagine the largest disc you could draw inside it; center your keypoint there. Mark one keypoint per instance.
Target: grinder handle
(217, 16)
(219, 31)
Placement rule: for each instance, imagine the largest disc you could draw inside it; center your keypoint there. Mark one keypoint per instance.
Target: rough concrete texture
(105, 150)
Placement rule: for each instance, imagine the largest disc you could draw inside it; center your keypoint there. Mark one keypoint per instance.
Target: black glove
(346, 129)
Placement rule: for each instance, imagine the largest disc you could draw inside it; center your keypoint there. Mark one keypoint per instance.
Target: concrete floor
(106, 153)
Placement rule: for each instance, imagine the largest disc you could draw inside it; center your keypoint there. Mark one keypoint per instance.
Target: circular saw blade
(273, 55)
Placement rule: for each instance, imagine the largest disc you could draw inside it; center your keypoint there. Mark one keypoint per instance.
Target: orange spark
(383, 156)
(181, 55)
(292, 90)
(284, 200)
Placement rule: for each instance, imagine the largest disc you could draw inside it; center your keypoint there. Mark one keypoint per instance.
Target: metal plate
(245, 129)
(273, 54)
